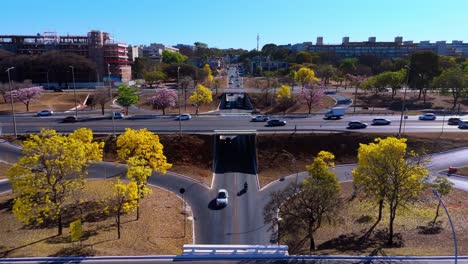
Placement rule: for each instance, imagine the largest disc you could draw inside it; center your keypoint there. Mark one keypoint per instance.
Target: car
(427, 116)
(118, 115)
(356, 124)
(260, 118)
(276, 122)
(46, 112)
(183, 117)
(222, 198)
(58, 90)
(380, 121)
(463, 124)
(454, 121)
(70, 119)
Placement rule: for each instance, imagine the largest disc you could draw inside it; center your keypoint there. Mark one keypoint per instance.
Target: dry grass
(159, 230)
(357, 216)
(258, 101)
(3, 168)
(49, 100)
(186, 107)
(463, 171)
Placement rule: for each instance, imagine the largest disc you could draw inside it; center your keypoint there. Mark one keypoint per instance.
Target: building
(155, 50)
(134, 52)
(97, 46)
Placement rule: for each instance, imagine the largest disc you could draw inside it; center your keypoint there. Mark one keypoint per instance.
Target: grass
(159, 230)
(358, 215)
(3, 168)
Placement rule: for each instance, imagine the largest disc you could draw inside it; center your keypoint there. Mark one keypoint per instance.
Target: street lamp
(74, 90)
(110, 96)
(178, 97)
(11, 101)
(436, 193)
(404, 99)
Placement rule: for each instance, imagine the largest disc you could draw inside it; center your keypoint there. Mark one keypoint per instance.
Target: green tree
(201, 95)
(303, 208)
(170, 57)
(326, 72)
(453, 81)
(386, 177)
(424, 67)
(126, 96)
(50, 172)
(444, 187)
(143, 152)
(154, 76)
(123, 200)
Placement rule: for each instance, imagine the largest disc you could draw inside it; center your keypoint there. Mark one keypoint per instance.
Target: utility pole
(74, 90)
(258, 39)
(11, 102)
(178, 95)
(404, 99)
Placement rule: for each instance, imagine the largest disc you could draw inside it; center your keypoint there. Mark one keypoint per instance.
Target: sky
(236, 23)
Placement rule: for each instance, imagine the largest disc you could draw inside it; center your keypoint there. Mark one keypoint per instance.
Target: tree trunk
(390, 226)
(367, 234)
(138, 209)
(59, 225)
(164, 111)
(312, 241)
(455, 98)
(437, 213)
(118, 225)
(102, 108)
(27, 107)
(420, 93)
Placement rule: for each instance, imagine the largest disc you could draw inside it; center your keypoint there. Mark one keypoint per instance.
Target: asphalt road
(27, 123)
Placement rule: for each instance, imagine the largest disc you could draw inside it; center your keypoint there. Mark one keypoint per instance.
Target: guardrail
(254, 251)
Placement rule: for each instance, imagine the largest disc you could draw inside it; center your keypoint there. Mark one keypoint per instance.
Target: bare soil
(268, 106)
(186, 106)
(3, 168)
(414, 235)
(160, 229)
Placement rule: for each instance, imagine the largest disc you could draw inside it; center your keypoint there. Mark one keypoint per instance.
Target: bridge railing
(235, 250)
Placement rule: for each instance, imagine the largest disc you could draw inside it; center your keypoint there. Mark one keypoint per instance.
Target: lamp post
(404, 99)
(11, 101)
(74, 90)
(110, 96)
(178, 97)
(436, 193)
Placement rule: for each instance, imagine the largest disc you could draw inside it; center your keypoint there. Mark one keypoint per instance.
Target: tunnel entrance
(235, 153)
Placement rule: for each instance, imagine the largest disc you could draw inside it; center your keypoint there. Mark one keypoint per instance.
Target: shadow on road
(213, 206)
(235, 153)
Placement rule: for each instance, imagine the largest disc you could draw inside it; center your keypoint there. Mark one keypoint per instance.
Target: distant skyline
(235, 24)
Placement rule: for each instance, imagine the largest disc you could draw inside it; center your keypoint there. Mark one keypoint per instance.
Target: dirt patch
(159, 230)
(267, 105)
(49, 100)
(186, 106)
(282, 148)
(358, 215)
(3, 168)
(463, 171)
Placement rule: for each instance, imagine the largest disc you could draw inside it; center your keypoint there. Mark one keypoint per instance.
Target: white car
(260, 118)
(427, 116)
(222, 198)
(46, 112)
(183, 117)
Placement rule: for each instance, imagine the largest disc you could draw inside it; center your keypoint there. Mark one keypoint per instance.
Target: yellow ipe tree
(209, 75)
(201, 95)
(283, 97)
(390, 175)
(123, 200)
(305, 76)
(143, 153)
(50, 171)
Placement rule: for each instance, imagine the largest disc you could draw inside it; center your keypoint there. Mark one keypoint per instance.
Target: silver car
(222, 198)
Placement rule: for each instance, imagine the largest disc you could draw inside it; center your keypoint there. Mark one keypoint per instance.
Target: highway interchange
(241, 222)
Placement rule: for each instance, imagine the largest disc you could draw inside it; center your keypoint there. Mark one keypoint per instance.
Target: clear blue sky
(235, 23)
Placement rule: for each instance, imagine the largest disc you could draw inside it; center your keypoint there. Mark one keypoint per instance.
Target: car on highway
(260, 118)
(463, 124)
(46, 112)
(453, 121)
(183, 117)
(380, 122)
(356, 124)
(70, 119)
(427, 116)
(276, 122)
(222, 198)
(118, 116)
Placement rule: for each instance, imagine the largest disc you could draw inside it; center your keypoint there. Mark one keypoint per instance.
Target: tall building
(155, 50)
(98, 46)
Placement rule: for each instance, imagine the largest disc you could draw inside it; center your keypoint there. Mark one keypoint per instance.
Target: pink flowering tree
(163, 99)
(311, 96)
(24, 95)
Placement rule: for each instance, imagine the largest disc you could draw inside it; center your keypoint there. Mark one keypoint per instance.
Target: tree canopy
(126, 96)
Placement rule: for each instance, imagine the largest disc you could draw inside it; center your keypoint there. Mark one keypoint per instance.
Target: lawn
(3, 168)
(358, 215)
(159, 230)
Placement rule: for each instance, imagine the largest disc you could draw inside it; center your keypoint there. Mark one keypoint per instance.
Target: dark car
(356, 124)
(276, 122)
(58, 90)
(453, 121)
(380, 122)
(70, 119)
